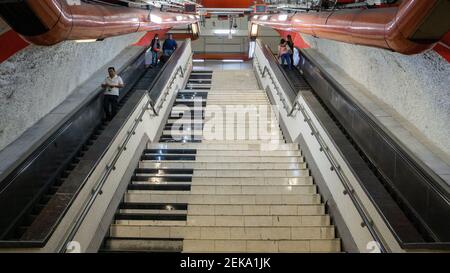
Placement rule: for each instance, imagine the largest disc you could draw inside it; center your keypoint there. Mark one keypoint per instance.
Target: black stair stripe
(159, 187)
(170, 151)
(150, 217)
(163, 171)
(168, 157)
(142, 178)
(198, 88)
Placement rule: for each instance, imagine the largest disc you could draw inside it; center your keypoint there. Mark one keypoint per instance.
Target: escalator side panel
(417, 190)
(27, 183)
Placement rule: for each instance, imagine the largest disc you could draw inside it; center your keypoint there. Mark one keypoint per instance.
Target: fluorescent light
(195, 29)
(86, 41)
(282, 17)
(224, 31)
(155, 19)
(232, 61)
(198, 61)
(254, 30)
(179, 17)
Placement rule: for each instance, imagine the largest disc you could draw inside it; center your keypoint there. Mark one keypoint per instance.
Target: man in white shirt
(111, 85)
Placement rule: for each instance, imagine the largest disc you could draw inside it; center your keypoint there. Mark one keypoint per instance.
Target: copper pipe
(390, 28)
(64, 21)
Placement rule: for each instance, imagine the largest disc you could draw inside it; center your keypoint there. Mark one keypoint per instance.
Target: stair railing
(98, 188)
(335, 166)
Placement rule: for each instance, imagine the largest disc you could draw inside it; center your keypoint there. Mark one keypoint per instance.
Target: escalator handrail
(431, 179)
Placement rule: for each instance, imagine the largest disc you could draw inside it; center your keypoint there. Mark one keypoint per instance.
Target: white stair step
(250, 159)
(260, 246)
(256, 210)
(229, 147)
(257, 181)
(153, 164)
(197, 189)
(258, 221)
(225, 199)
(251, 173)
(144, 245)
(224, 233)
(249, 153)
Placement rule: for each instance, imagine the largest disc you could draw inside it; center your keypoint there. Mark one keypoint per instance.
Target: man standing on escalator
(111, 85)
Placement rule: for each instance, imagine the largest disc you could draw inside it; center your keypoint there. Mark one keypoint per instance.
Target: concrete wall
(416, 87)
(37, 79)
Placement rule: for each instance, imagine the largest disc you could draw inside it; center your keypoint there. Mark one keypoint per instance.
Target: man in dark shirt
(169, 46)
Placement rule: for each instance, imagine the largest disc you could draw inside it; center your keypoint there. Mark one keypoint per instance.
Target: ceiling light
(155, 19)
(86, 41)
(224, 31)
(232, 61)
(254, 31)
(282, 17)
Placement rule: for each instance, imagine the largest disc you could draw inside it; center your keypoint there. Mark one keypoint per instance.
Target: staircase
(220, 184)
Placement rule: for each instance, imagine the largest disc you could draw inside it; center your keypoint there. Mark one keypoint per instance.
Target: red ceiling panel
(227, 3)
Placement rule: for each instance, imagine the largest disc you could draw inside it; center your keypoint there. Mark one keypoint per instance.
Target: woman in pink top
(284, 52)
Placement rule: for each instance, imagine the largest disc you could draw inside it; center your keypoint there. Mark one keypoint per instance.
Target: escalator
(408, 195)
(42, 188)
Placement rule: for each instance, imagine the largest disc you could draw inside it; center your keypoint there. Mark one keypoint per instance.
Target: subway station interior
(267, 126)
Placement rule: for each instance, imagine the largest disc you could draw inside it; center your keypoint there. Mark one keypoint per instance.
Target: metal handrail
(169, 87)
(294, 107)
(279, 93)
(97, 189)
(349, 190)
